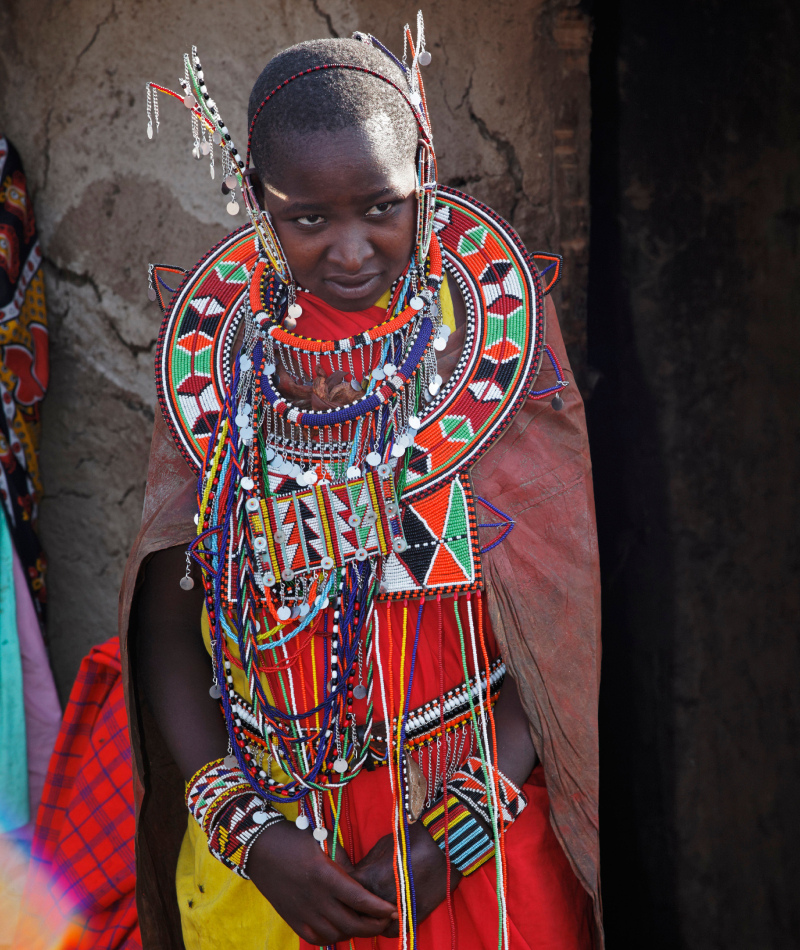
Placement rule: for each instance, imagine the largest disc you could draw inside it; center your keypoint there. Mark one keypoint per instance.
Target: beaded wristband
(222, 802)
(466, 845)
(469, 783)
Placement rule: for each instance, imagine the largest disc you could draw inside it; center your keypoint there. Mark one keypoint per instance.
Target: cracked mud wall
(510, 101)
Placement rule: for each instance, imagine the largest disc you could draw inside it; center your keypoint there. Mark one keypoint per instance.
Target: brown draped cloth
(543, 592)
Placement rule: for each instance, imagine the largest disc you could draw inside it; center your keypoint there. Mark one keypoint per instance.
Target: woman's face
(344, 207)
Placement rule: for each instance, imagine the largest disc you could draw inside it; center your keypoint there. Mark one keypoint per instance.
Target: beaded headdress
(209, 130)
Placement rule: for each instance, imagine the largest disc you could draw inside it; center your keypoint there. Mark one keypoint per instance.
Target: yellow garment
(219, 909)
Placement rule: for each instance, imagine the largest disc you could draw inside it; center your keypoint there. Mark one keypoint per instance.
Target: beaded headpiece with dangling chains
(267, 457)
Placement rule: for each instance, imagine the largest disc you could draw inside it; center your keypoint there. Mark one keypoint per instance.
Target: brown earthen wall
(510, 102)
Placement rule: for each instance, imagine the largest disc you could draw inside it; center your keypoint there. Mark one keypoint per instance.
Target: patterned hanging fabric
(24, 368)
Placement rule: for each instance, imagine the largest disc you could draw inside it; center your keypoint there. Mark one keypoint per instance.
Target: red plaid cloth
(82, 882)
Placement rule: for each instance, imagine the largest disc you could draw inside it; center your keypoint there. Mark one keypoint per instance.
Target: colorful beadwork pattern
(501, 356)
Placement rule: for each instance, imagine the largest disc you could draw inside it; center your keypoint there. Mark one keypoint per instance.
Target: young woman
(384, 713)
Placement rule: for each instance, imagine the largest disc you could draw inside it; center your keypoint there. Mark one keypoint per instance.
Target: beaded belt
(423, 726)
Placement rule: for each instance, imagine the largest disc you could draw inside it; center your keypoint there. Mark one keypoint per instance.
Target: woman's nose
(350, 250)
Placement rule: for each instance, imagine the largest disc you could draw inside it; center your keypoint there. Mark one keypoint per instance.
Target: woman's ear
(258, 187)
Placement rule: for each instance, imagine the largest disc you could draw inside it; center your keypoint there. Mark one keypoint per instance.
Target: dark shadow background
(693, 351)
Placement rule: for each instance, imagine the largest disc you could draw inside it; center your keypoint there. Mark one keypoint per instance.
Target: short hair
(329, 100)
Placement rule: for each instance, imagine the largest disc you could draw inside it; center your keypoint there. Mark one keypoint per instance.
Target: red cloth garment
(548, 908)
(82, 881)
(321, 321)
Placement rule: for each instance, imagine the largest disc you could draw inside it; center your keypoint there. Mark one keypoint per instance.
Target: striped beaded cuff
(223, 803)
(469, 783)
(466, 844)
(238, 822)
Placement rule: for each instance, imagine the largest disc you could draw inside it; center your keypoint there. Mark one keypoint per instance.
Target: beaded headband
(208, 130)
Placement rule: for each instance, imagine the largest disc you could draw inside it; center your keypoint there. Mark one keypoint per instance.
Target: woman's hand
(376, 873)
(316, 897)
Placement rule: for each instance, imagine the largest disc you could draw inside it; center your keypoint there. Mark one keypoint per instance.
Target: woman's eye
(310, 219)
(382, 208)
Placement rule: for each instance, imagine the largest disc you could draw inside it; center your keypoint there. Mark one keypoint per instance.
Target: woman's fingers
(349, 892)
(350, 924)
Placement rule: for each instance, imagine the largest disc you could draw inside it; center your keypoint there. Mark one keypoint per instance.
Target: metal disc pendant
(320, 834)
(259, 817)
(360, 692)
(301, 821)
(416, 789)
(295, 310)
(416, 303)
(149, 131)
(284, 613)
(187, 583)
(215, 692)
(232, 207)
(557, 403)
(230, 762)
(340, 765)
(151, 294)
(424, 58)
(374, 458)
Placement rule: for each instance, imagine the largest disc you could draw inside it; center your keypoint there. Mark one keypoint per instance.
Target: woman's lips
(351, 288)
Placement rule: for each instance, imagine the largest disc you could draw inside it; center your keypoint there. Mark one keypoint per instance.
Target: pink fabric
(42, 708)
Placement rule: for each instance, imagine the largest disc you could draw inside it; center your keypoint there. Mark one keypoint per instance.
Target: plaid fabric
(83, 874)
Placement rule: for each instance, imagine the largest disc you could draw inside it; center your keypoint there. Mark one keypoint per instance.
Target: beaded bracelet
(466, 845)
(231, 815)
(469, 783)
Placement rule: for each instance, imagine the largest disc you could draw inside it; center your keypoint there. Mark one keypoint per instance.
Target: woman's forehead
(357, 160)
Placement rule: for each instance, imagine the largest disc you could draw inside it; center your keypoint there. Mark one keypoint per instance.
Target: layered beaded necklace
(267, 455)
